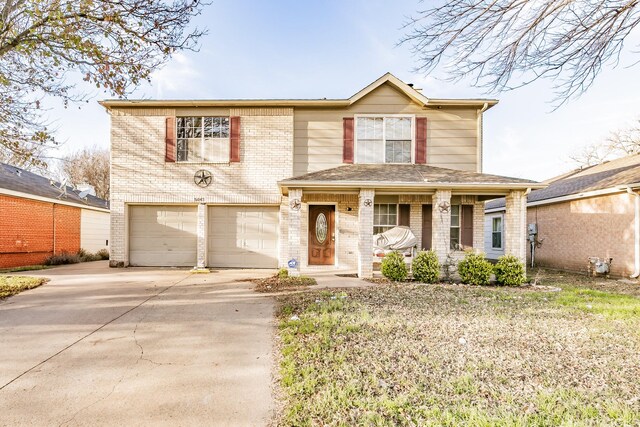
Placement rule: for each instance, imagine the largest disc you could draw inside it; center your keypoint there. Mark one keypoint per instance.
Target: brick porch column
(118, 253)
(295, 225)
(441, 224)
(365, 233)
(515, 225)
(202, 237)
(478, 226)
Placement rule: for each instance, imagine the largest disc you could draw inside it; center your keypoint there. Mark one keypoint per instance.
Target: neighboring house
(589, 212)
(39, 218)
(301, 183)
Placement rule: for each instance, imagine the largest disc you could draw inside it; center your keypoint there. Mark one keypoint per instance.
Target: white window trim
(501, 233)
(459, 227)
(413, 135)
(202, 138)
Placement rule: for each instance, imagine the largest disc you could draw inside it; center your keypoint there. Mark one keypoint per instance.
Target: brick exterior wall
(441, 222)
(574, 230)
(140, 174)
(515, 225)
(28, 230)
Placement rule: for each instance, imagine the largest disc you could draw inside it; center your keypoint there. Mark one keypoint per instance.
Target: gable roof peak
(405, 88)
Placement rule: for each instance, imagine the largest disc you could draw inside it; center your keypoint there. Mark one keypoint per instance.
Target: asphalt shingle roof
(386, 173)
(619, 172)
(20, 180)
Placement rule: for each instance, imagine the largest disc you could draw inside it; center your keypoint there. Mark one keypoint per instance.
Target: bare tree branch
(506, 44)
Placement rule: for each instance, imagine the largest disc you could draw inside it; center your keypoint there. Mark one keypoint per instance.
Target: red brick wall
(575, 230)
(26, 230)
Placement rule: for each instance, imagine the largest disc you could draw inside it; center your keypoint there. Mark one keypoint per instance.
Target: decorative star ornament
(444, 206)
(202, 178)
(295, 204)
(368, 202)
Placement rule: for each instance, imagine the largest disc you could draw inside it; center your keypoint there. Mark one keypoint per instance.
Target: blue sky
(333, 48)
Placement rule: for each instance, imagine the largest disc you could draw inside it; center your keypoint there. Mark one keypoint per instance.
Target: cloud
(178, 78)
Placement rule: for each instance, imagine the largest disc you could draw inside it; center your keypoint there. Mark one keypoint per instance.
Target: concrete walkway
(100, 346)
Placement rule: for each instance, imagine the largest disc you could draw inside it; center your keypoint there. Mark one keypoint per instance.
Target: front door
(322, 238)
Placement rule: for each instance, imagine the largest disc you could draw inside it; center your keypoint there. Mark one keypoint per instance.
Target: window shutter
(421, 140)
(170, 139)
(347, 148)
(405, 214)
(427, 226)
(234, 153)
(466, 239)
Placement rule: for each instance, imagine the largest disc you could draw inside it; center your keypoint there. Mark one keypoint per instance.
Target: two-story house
(301, 183)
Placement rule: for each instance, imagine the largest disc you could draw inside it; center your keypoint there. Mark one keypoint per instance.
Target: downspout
(480, 137)
(636, 222)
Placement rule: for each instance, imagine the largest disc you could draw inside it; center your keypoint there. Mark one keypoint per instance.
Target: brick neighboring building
(37, 219)
(588, 212)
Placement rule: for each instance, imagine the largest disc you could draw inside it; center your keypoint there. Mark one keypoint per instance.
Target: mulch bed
(281, 284)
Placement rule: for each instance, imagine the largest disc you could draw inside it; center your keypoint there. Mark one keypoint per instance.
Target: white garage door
(243, 236)
(163, 236)
(94, 230)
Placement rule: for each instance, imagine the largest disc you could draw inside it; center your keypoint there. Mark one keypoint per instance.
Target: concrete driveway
(100, 346)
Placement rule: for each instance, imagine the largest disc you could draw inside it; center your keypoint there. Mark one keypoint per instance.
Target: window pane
(183, 151)
(216, 150)
(224, 127)
(398, 128)
(496, 240)
(369, 128)
(397, 151)
(455, 216)
(455, 238)
(370, 151)
(193, 150)
(497, 224)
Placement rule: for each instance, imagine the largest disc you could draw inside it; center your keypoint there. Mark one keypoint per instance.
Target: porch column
(295, 225)
(515, 225)
(478, 226)
(441, 224)
(201, 229)
(365, 233)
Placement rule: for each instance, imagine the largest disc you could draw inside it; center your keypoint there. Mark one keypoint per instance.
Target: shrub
(426, 267)
(474, 269)
(393, 267)
(86, 256)
(103, 254)
(509, 271)
(62, 258)
(283, 273)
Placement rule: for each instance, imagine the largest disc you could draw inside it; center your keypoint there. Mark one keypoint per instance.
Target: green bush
(426, 267)
(394, 267)
(509, 271)
(103, 254)
(474, 269)
(62, 258)
(283, 273)
(86, 256)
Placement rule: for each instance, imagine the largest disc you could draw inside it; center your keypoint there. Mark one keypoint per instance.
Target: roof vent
(18, 172)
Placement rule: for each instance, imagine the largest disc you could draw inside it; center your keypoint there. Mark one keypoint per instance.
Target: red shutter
(466, 239)
(170, 139)
(347, 149)
(234, 154)
(421, 140)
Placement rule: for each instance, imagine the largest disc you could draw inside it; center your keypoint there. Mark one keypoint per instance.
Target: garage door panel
(243, 236)
(163, 235)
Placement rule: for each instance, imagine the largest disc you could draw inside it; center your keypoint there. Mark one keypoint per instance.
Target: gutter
(636, 222)
(421, 185)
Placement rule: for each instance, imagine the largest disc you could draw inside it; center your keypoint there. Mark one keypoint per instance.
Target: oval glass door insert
(321, 228)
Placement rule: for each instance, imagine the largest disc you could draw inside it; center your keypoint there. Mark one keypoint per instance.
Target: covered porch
(329, 218)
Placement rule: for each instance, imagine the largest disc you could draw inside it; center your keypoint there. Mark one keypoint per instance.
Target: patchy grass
(12, 285)
(282, 283)
(461, 355)
(24, 268)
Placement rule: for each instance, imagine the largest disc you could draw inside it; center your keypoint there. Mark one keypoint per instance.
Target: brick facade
(34, 230)
(515, 225)
(574, 230)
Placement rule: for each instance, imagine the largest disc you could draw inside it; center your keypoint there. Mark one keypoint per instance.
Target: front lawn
(12, 285)
(461, 355)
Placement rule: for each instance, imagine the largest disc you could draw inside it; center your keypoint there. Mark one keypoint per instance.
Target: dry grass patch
(281, 282)
(460, 355)
(12, 285)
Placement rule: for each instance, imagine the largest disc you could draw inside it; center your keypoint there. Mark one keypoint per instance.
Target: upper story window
(384, 139)
(203, 139)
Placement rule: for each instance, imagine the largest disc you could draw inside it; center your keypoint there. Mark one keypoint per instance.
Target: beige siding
(451, 133)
